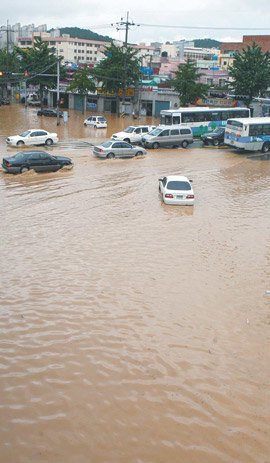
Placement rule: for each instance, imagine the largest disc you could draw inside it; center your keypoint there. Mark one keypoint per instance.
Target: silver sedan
(118, 149)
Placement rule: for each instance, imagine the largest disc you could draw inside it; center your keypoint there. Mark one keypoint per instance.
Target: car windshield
(24, 134)
(107, 144)
(102, 119)
(219, 130)
(178, 185)
(129, 129)
(155, 132)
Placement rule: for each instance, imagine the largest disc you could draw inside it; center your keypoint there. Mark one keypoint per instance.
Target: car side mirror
(190, 181)
(160, 179)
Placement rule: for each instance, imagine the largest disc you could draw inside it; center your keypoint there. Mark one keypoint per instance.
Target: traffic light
(26, 74)
(1, 73)
(61, 102)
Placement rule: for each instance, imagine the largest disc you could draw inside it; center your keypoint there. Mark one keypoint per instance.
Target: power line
(216, 28)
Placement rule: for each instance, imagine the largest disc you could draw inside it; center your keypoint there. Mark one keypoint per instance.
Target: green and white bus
(252, 134)
(201, 120)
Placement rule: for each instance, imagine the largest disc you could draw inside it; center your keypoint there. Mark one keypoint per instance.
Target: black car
(214, 138)
(40, 161)
(48, 112)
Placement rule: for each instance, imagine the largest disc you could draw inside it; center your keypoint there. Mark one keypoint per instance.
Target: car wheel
(23, 169)
(184, 144)
(110, 156)
(215, 142)
(139, 153)
(95, 126)
(49, 142)
(127, 140)
(85, 125)
(155, 145)
(266, 148)
(20, 143)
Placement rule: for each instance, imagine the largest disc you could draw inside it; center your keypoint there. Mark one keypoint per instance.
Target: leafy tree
(38, 61)
(186, 83)
(8, 63)
(250, 72)
(82, 81)
(118, 70)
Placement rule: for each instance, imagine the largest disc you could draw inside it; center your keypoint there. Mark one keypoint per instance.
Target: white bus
(201, 120)
(252, 134)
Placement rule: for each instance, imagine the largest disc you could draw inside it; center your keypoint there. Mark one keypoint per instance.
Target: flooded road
(132, 331)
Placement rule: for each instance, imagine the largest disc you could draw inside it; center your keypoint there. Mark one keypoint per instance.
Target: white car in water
(177, 190)
(33, 137)
(98, 122)
(133, 133)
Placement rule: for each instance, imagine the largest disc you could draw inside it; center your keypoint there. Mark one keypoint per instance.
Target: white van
(165, 135)
(133, 133)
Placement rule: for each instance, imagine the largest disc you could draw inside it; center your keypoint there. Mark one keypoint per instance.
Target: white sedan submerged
(177, 190)
(33, 137)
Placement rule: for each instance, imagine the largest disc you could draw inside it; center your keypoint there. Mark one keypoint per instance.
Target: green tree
(8, 63)
(38, 61)
(118, 70)
(186, 83)
(250, 72)
(82, 81)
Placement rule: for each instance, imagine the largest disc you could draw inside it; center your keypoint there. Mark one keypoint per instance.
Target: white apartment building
(80, 51)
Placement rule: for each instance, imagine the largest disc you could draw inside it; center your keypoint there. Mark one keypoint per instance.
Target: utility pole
(58, 91)
(8, 29)
(126, 25)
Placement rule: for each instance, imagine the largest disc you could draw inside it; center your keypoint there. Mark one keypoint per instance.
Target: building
(80, 51)
(229, 48)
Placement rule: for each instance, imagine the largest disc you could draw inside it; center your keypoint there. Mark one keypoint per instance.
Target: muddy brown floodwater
(132, 331)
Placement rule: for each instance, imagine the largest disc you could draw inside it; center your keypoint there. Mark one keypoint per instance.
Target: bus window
(266, 129)
(255, 130)
(176, 119)
(215, 116)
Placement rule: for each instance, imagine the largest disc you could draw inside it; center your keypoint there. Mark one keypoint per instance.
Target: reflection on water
(132, 330)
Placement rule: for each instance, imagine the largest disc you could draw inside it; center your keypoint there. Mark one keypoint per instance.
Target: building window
(61, 49)
(75, 51)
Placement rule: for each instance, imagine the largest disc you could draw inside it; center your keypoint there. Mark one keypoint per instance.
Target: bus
(201, 120)
(252, 134)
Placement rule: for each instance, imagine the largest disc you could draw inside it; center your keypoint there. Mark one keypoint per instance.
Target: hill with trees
(76, 32)
(206, 43)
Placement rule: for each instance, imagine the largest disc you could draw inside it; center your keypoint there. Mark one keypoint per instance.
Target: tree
(38, 61)
(9, 63)
(186, 83)
(250, 72)
(82, 81)
(118, 70)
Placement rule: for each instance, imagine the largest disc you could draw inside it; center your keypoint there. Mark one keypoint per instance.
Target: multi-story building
(80, 51)
(229, 48)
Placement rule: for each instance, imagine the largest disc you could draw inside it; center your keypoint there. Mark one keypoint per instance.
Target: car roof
(180, 178)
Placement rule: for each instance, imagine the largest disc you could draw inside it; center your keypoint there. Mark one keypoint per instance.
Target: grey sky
(93, 14)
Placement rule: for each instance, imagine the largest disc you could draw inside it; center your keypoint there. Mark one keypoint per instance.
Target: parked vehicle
(133, 134)
(168, 136)
(40, 161)
(98, 122)
(176, 190)
(33, 137)
(118, 149)
(214, 138)
(5, 101)
(49, 112)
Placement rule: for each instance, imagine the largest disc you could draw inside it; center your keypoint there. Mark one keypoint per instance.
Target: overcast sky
(214, 19)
